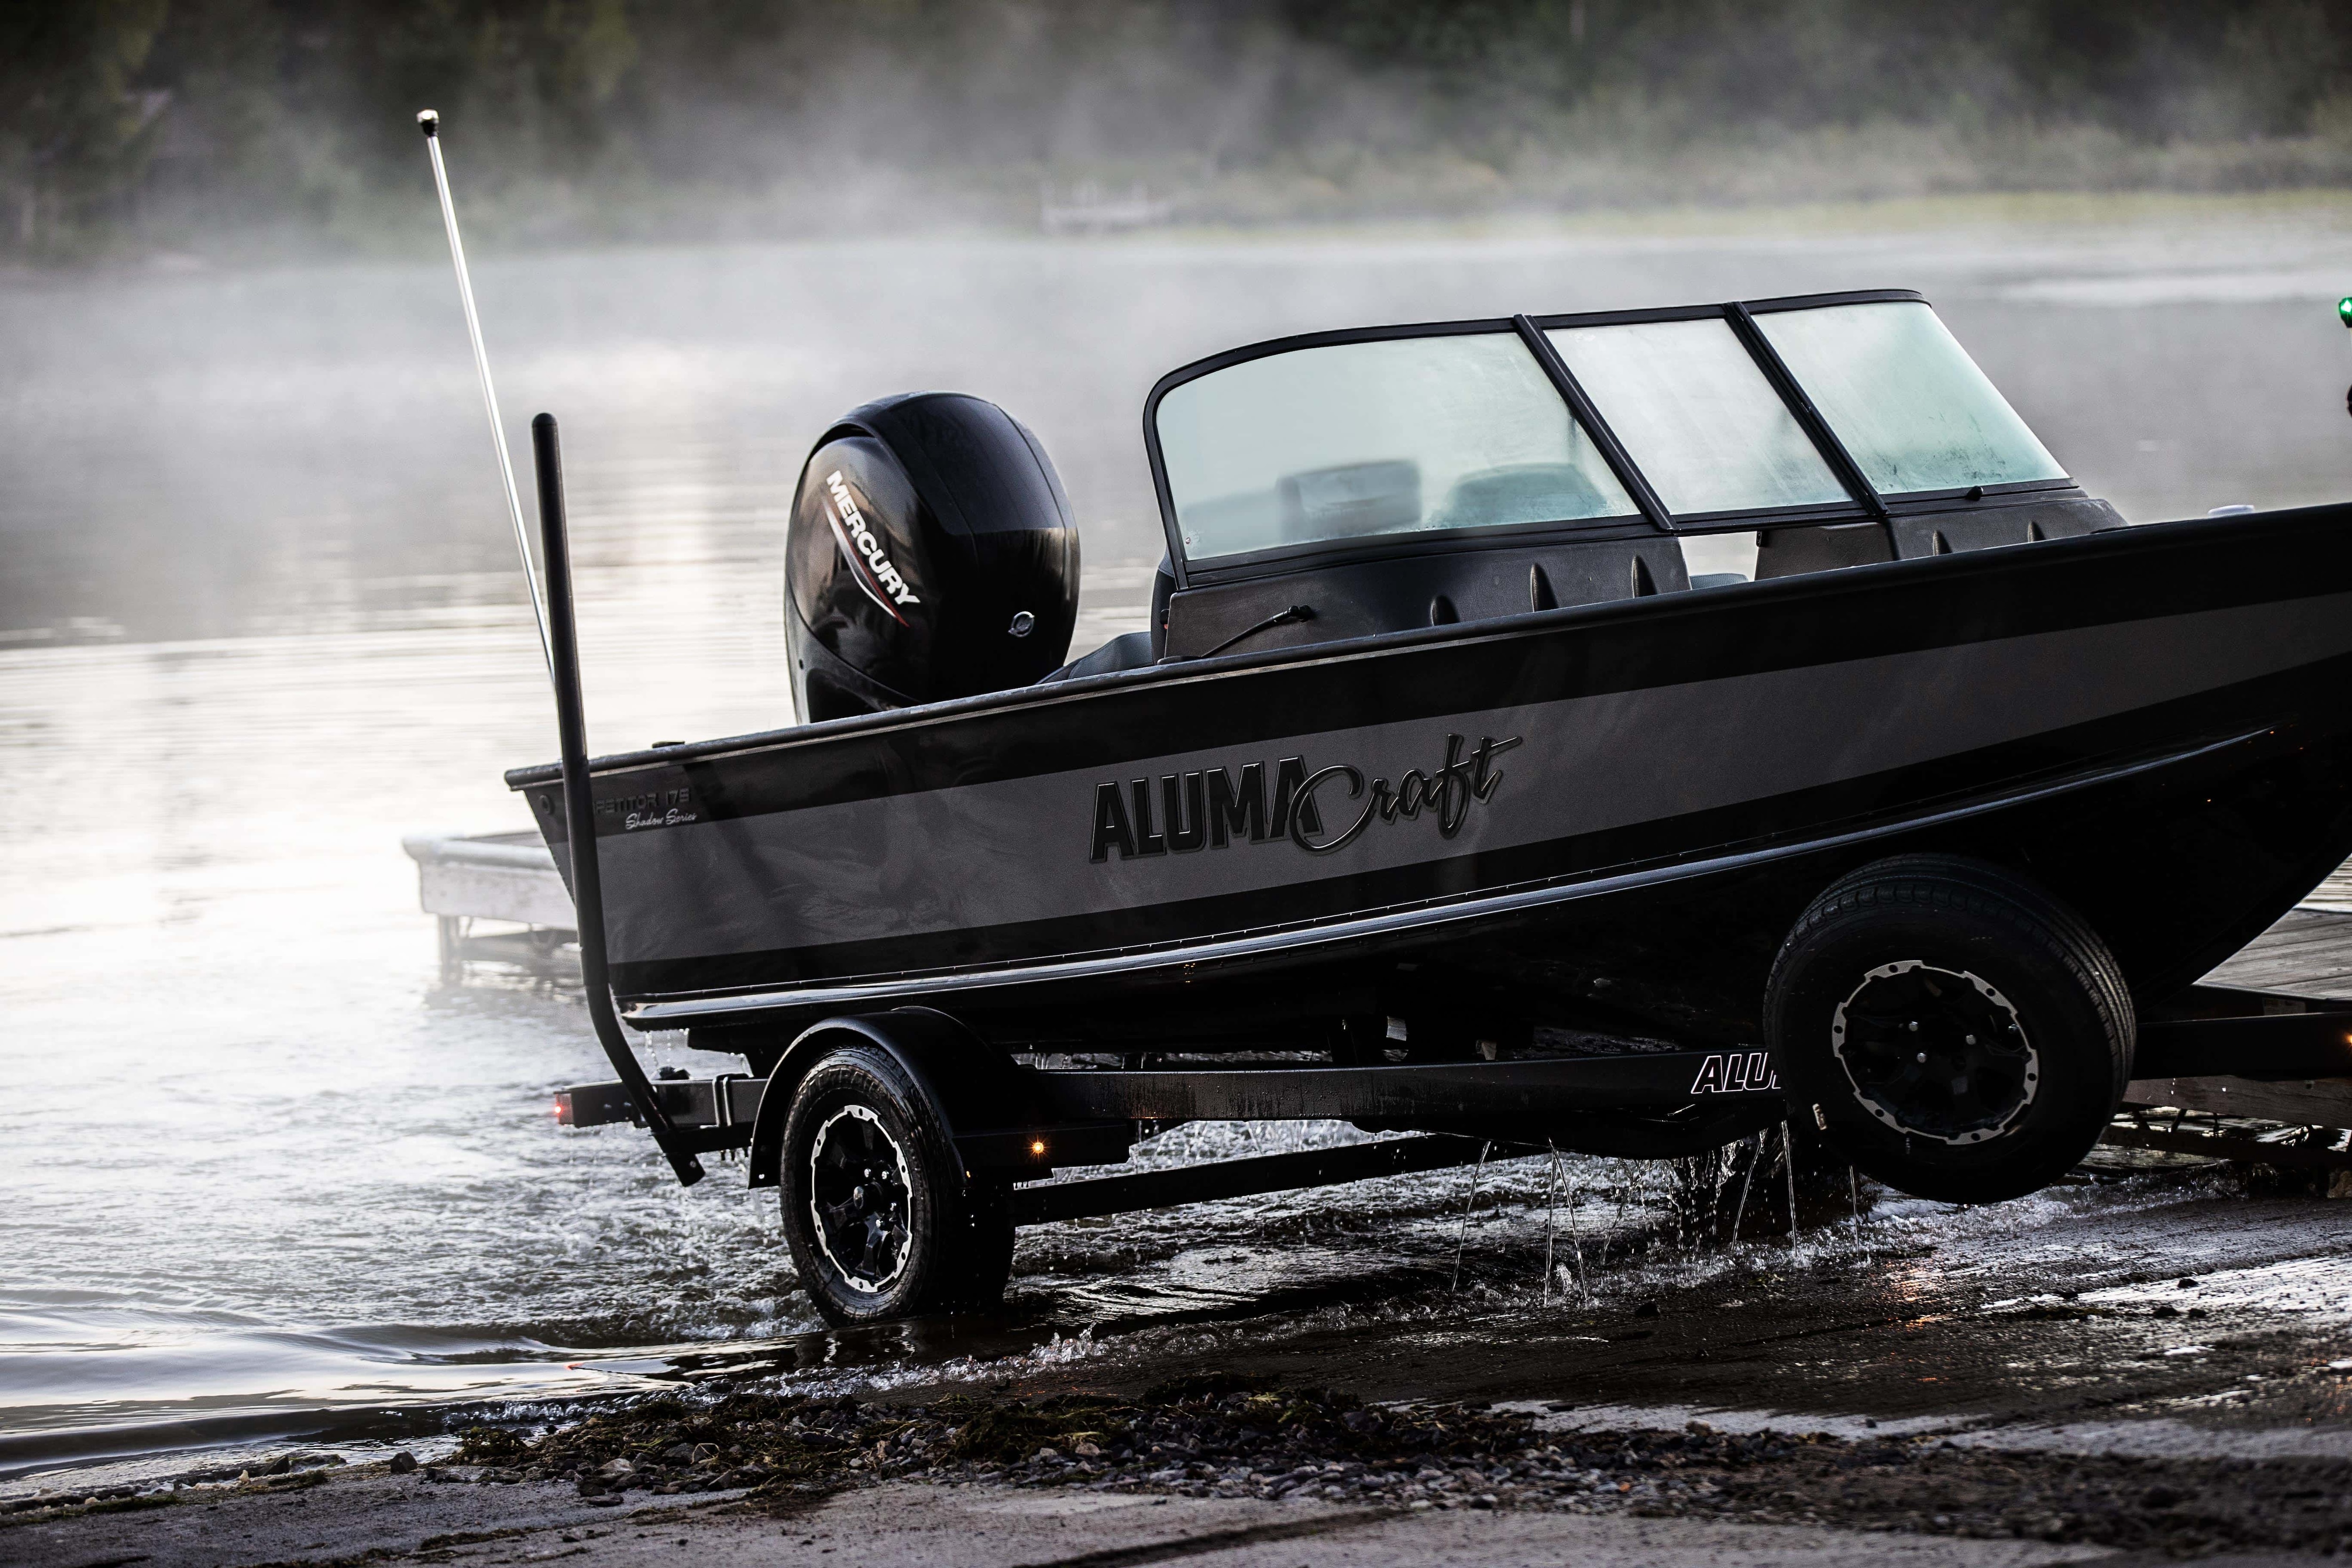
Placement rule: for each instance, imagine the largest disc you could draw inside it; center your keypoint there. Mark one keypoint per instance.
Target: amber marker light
(1036, 1145)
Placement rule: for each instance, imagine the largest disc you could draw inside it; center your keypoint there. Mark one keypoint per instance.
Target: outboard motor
(932, 555)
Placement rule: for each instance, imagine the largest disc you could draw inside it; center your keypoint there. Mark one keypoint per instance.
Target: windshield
(1698, 418)
(1905, 398)
(1389, 438)
(1395, 436)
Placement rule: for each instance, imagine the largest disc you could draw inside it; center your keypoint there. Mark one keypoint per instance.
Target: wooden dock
(506, 878)
(2307, 954)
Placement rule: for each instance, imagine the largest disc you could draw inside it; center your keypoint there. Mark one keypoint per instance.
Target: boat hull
(1604, 816)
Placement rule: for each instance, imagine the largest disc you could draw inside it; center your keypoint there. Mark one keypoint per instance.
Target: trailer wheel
(1958, 1033)
(875, 1208)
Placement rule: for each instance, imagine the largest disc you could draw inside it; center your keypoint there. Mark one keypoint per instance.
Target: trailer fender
(975, 1089)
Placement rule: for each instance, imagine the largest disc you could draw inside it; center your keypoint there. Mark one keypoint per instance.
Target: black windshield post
(1613, 452)
(580, 808)
(1809, 418)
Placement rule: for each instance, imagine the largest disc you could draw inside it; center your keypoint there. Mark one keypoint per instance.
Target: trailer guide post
(580, 808)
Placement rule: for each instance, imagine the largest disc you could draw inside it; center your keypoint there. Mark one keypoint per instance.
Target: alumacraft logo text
(863, 551)
(1210, 810)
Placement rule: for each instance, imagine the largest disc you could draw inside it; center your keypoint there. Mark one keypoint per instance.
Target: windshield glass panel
(1905, 398)
(1355, 440)
(1698, 418)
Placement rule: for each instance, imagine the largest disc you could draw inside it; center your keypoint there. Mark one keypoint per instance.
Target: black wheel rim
(1936, 1053)
(859, 1198)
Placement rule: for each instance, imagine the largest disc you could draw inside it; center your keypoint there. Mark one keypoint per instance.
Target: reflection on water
(259, 622)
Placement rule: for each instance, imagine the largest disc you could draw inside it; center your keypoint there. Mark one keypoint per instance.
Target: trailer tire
(1953, 1029)
(877, 1213)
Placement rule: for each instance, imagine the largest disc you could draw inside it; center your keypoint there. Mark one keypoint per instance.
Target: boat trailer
(2291, 1060)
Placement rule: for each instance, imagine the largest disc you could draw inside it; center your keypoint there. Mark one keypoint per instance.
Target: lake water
(261, 1173)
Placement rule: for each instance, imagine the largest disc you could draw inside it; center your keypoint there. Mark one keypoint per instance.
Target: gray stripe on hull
(849, 994)
(996, 854)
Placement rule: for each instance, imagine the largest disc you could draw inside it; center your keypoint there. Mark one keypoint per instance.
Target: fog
(210, 452)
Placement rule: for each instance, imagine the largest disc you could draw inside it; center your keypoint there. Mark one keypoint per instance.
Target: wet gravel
(2176, 1353)
(1219, 1437)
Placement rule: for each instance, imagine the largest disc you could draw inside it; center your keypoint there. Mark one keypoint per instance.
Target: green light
(2344, 311)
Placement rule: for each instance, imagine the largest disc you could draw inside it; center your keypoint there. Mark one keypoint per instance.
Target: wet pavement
(960, 1527)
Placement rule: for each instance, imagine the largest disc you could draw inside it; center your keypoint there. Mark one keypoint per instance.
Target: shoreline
(1236, 1464)
(2073, 214)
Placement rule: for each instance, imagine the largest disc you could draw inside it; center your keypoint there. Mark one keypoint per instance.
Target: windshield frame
(1863, 504)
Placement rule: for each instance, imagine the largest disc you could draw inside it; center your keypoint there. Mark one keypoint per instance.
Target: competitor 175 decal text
(1211, 809)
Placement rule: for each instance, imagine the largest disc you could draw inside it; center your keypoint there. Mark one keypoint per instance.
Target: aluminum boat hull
(1605, 815)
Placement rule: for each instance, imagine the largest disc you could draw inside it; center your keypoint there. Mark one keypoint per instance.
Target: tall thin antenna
(429, 122)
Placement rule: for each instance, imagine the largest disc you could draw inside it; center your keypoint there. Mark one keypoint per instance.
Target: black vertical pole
(1612, 451)
(580, 808)
(1840, 462)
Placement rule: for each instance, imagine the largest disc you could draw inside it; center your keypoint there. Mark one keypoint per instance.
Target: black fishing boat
(1443, 795)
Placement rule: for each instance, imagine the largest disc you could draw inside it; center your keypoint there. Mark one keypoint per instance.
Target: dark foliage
(116, 114)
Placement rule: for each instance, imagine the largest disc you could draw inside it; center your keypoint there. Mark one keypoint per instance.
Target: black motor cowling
(932, 555)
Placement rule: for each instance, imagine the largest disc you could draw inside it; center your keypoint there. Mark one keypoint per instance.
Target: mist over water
(259, 619)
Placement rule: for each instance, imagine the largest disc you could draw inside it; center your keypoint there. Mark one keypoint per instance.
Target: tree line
(128, 117)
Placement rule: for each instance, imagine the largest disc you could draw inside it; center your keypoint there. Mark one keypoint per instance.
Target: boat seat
(1818, 547)
(1129, 650)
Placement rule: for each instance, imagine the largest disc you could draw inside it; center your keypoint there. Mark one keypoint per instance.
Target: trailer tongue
(723, 1109)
